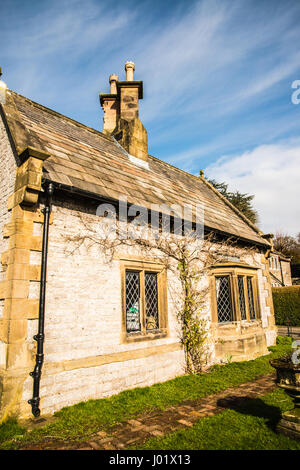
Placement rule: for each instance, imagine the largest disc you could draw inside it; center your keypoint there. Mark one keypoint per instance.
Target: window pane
(151, 301)
(242, 297)
(223, 299)
(132, 301)
(250, 298)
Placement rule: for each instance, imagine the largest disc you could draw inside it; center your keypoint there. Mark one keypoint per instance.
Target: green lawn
(79, 421)
(251, 426)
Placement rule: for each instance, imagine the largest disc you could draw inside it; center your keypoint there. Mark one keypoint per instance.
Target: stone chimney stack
(113, 84)
(3, 89)
(109, 103)
(121, 113)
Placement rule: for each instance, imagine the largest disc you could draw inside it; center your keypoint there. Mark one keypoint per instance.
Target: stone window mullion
(235, 298)
(246, 298)
(251, 298)
(142, 301)
(242, 297)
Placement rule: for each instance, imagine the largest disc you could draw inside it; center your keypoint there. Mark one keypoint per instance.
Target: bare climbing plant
(189, 257)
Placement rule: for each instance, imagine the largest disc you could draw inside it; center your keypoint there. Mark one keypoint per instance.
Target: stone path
(136, 431)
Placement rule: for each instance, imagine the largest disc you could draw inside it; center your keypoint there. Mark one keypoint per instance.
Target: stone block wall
(286, 273)
(85, 356)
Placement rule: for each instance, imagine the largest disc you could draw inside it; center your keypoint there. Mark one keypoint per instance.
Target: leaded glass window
(151, 298)
(224, 305)
(143, 301)
(237, 296)
(242, 297)
(132, 301)
(250, 298)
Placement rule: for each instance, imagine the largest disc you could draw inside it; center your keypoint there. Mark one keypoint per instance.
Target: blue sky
(217, 82)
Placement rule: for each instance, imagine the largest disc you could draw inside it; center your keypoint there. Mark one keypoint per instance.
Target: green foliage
(229, 358)
(283, 345)
(194, 328)
(11, 429)
(287, 305)
(79, 421)
(295, 269)
(284, 341)
(242, 201)
(249, 426)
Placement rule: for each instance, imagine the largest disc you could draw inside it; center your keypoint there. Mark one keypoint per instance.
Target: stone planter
(288, 378)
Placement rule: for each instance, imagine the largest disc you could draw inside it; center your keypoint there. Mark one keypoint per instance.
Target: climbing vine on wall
(189, 259)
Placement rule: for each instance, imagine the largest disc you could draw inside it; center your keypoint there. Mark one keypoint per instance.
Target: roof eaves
(224, 199)
(281, 256)
(22, 137)
(235, 209)
(90, 195)
(33, 141)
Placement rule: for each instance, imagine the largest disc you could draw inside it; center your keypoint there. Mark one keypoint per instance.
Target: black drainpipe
(36, 374)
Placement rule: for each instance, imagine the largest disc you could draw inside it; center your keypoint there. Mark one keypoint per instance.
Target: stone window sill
(149, 336)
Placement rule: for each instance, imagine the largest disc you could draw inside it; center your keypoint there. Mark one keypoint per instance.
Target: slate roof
(281, 256)
(84, 158)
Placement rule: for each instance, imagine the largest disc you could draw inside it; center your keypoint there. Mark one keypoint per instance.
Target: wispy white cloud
(210, 57)
(243, 134)
(216, 57)
(72, 26)
(55, 45)
(272, 174)
(216, 73)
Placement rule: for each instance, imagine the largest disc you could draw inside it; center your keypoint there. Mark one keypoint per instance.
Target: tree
(287, 245)
(242, 201)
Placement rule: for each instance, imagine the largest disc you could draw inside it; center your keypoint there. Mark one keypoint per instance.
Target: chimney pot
(113, 83)
(3, 88)
(129, 68)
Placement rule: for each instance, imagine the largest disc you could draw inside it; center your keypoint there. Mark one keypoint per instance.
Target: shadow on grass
(254, 407)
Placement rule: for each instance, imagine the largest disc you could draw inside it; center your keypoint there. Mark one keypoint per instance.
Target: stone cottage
(280, 269)
(74, 325)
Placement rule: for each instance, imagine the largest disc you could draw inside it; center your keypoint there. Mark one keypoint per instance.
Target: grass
(11, 429)
(79, 421)
(250, 426)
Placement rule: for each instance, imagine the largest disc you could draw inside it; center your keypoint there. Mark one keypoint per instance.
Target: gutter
(37, 372)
